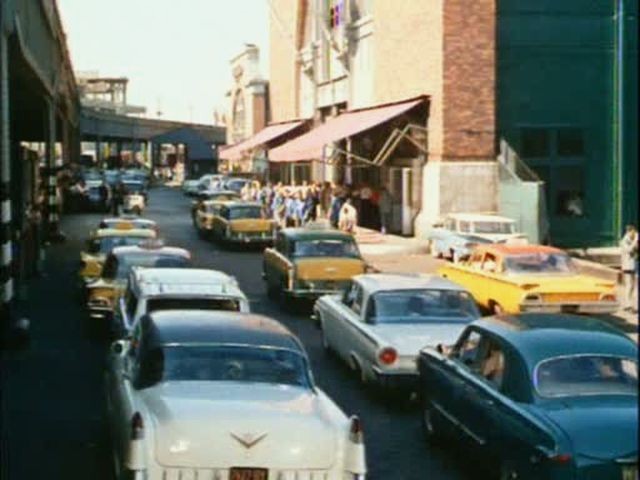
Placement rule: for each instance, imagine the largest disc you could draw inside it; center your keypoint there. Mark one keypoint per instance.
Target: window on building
(570, 142)
(569, 190)
(238, 117)
(534, 142)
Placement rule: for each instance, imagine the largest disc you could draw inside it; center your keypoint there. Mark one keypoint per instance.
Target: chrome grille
(223, 474)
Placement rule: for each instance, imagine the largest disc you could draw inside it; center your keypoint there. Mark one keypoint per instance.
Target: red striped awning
(309, 145)
(264, 136)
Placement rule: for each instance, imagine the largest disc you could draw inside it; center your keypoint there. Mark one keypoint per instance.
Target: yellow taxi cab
(126, 222)
(240, 222)
(101, 242)
(530, 278)
(310, 262)
(103, 293)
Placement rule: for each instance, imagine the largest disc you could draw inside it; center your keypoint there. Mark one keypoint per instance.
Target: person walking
(629, 266)
(118, 198)
(348, 218)
(336, 204)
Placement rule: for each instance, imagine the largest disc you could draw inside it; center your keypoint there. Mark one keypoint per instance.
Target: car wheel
(496, 308)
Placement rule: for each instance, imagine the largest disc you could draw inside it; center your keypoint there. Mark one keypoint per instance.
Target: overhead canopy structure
(197, 147)
(263, 137)
(347, 124)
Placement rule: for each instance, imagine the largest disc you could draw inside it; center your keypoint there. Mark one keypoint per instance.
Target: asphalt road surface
(53, 423)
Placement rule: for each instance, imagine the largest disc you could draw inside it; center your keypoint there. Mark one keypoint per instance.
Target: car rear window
(224, 304)
(580, 375)
(325, 248)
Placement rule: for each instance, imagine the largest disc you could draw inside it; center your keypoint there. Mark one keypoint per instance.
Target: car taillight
(356, 434)
(137, 427)
(561, 458)
(388, 356)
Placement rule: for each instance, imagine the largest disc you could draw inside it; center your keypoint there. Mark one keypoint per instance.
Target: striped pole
(52, 182)
(6, 260)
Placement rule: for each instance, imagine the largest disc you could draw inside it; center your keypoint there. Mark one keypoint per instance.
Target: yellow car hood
(251, 225)
(92, 264)
(330, 268)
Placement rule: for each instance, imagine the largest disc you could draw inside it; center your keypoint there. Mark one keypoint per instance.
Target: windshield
(539, 263)
(118, 268)
(586, 375)
(220, 303)
(326, 248)
(106, 244)
(252, 211)
(493, 227)
(222, 197)
(422, 306)
(229, 363)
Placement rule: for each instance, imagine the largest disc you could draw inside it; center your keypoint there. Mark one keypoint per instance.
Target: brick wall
(407, 57)
(469, 79)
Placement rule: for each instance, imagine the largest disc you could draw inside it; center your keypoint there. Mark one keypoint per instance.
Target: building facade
(544, 80)
(331, 57)
(247, 107)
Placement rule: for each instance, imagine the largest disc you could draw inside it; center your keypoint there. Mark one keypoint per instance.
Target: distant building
(106, 94)
(247, 106)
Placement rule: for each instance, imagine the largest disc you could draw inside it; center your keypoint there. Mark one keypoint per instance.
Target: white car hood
(195, 424)
(409, 339)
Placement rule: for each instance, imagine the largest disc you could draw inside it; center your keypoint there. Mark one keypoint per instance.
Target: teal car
(538, 396)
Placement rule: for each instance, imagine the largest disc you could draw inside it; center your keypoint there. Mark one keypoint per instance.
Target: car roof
(507, 249)
(539, 336)
(124, 232)
(177, 251)
(220, 192)
(134, 220)
(205, 326)
(374, 282)
(233, 203)
(472, 217)
(315, 234)
(185, 282)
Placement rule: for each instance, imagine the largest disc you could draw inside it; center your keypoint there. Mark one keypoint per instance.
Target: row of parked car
(542, 395)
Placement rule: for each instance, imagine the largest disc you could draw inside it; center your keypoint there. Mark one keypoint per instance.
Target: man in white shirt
(348, 218)
(628, 264)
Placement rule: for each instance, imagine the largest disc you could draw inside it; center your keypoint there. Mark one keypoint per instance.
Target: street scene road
(53, 401)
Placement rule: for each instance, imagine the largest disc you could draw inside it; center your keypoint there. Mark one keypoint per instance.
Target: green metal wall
(556, 68)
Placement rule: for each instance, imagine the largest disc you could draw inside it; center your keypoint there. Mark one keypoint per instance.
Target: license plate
(249, 474)
(630, 472)
(569, 308)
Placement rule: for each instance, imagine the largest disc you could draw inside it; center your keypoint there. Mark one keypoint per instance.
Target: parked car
(239, 222)
(540, 396)
(236, 184)
(310, 262)
(129, 221)
(381, 322)
(135, 198)
(104, 293)
(211, 197)
(190, 186)
(101, 242)
(455, 236)
(227, 395)
(530, 278)
(154, 289)
(96, 197)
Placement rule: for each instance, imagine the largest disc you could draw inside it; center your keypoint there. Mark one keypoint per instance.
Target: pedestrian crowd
(343, 206)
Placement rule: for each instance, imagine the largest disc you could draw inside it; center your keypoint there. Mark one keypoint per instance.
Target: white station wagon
(153, 289)
(380, 324)
(224, 396)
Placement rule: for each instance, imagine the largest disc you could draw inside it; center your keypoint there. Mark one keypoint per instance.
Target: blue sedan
(539, 396)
